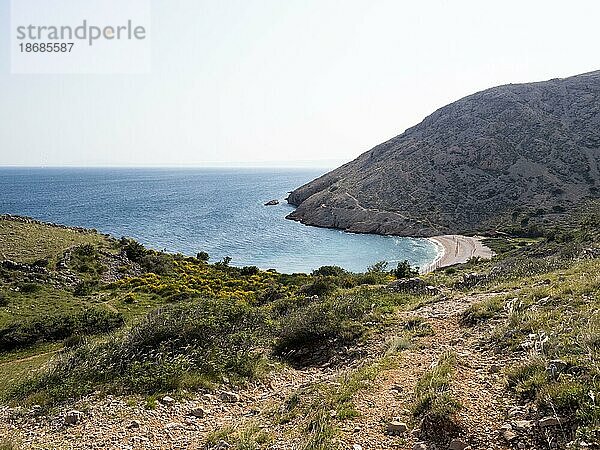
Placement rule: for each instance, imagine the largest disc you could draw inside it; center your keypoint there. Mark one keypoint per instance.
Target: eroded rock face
(469, 164)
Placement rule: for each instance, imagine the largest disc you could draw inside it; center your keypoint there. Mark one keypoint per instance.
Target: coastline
(457, 249)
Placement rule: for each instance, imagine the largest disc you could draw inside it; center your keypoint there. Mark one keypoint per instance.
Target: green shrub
(326, 323)
(202, 257)
(85, 287)
(321, 286)
(482, 311)
(57, 327)
(527, 378)
(29, 288)
(9, 443)
(161, 352)
(156, 262)
(325, 271)
(42, 262)
(133, 249)
(249, 270)
(434, 403)
(378, 267)
(404, 270)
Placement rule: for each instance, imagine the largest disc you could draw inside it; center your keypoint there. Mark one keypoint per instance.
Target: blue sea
(220, 211)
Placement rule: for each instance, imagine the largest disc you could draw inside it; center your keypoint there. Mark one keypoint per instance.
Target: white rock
(166, 400)
(522, 425)
(173, 426)
(396, 427)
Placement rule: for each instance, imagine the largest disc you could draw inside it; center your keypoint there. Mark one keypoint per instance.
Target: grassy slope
(28, 242)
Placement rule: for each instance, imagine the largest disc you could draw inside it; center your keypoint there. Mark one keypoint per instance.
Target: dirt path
(28, 358)
(477, 385)
(114, 422)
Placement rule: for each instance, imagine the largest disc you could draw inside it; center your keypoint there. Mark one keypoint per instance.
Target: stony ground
(489, 418)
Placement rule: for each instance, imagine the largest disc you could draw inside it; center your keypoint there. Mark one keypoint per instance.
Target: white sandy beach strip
(457, 249)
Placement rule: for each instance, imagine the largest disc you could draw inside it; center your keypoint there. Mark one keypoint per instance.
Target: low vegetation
(434, 403)
(88, 313)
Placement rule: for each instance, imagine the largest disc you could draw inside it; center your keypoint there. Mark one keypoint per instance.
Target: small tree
(202, 256)
(378, 267)
(333, 271)
(404, 270)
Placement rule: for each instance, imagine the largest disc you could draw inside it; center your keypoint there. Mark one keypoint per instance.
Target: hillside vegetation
(158, 349)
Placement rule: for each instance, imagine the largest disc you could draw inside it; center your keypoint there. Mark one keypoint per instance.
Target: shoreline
(457, 249)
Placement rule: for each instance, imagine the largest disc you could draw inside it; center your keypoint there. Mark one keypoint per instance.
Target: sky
(286, 83)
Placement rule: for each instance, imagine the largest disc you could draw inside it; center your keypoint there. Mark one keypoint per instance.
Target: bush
(210, 337)
(43, 262)
(527, 378)
(3, 300)
(9, 443)
(158, 263)
(29, 288)
(85, 287)
(53, 328)
(202, 257)
(434, 403)
(133, 249)
(249, 270)
(378, 267)
(404, 270)
(328, 323)
(321, 287)
(481, 311)
(325, 271)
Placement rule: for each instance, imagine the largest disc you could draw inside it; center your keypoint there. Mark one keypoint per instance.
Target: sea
(217, 210)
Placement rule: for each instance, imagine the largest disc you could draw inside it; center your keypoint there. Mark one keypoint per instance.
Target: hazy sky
(282, 81)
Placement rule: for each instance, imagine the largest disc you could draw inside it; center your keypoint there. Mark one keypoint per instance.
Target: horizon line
(233, 165)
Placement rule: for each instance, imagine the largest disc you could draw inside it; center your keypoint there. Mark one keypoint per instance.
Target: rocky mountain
(469, 165)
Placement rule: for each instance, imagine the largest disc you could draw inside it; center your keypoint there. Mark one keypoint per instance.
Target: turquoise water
(219, 211)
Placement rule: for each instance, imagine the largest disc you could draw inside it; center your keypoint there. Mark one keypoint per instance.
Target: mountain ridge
(469, 165)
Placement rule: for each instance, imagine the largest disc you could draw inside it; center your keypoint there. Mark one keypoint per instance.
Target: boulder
(396, 427)
(272, 203)
(230, 397)
(458, 444)
(551, 421)
(412, 285)
(73, 417)
(168, 401)
(198, 412)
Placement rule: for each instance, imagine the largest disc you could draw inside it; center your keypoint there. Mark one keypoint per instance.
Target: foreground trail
(126, 423)
(477, 385)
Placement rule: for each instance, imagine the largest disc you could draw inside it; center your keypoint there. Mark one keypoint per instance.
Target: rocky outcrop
(469, 165)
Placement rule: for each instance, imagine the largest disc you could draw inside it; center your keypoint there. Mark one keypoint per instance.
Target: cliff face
(469, 164)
